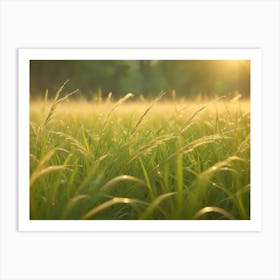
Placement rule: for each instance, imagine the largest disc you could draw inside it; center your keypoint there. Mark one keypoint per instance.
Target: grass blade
(121, 178)
(146, 112)
(210, 209)
(148, 182)
(72, 203)
(180, 181)
(36, 175)
(121, 101)
(109, 203)
(189, 148)
(155, 204)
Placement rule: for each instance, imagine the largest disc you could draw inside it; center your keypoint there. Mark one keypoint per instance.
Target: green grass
(139, 160)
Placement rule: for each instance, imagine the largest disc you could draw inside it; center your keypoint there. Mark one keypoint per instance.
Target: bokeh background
(185, 78)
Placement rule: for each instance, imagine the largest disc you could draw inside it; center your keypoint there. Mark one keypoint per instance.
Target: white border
(254, 55)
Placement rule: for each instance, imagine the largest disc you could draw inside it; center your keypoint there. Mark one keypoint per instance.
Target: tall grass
(139, 160)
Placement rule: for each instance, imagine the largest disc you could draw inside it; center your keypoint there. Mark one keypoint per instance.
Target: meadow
(161, 159)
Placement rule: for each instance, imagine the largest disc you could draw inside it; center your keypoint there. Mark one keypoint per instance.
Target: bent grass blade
(219, 166)
(121, 178)
(111, 202)
(209, 209)
(36, 175)
(146, 112)
(106, 121)
(188, 122)
(74, 142)
(189, 148)
(155, 205)
(42, 170)
(72, 203)
(151, 146)
(90, 173)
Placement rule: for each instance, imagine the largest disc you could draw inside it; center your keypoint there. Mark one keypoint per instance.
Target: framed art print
(140, 139)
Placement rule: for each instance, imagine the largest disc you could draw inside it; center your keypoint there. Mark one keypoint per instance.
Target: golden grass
(176, 152)
(163, 109)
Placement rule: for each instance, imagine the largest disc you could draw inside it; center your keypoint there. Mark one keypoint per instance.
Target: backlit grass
(139, 160)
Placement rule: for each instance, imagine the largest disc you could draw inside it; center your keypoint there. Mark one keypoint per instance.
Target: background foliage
(187, 78)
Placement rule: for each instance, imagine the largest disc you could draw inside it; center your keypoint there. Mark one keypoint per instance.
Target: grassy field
(139, 160)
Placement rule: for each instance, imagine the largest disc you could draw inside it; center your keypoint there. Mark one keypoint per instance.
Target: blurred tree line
(187, 78)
